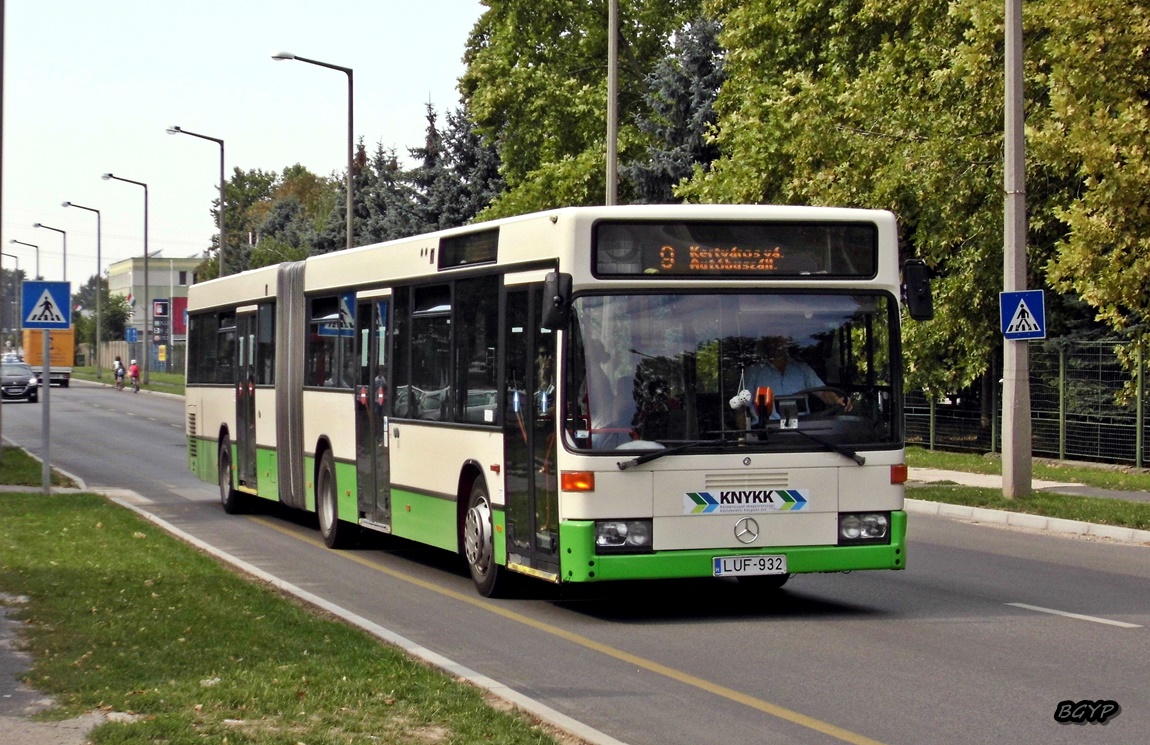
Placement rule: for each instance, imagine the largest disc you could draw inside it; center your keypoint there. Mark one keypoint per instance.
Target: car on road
(18, 381)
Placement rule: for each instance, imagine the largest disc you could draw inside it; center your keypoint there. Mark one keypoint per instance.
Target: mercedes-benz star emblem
(747, 530)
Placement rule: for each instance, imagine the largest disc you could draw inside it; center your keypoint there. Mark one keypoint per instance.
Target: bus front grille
(753, 480)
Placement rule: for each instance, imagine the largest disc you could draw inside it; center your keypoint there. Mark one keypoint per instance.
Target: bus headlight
(864, 527)
(622, 536)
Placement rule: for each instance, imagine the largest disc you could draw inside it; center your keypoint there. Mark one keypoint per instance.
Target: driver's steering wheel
(840, 406)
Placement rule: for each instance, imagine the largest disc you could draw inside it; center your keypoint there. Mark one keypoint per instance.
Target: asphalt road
(979, 640)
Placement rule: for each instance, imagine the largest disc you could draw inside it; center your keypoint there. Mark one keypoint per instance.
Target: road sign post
(46, 306)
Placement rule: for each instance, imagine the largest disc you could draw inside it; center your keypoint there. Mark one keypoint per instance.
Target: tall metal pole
(1016, 427)
(147, 301)
(612, 102)
(279, 57)
(99, 281)
(220, 213)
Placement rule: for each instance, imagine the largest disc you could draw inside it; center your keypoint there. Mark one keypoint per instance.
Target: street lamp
(63, 233)
(33, 245)
(147, 301)
(175, 130)
(99, 281)
(280, 56)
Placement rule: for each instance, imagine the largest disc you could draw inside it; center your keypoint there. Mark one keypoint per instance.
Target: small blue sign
(131, 334)
(1023, 314)
(46, 305)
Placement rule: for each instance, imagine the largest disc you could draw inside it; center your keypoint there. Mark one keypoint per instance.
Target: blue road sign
(46, 305)
(131, 335)
(1023, 314)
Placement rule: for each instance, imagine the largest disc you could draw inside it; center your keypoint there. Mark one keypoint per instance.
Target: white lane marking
(1079, 616)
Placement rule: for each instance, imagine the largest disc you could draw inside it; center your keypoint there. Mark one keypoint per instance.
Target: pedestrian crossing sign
(1023, 314)
(47, 305)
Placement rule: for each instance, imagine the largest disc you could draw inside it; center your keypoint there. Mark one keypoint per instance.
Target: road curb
(1024, 520)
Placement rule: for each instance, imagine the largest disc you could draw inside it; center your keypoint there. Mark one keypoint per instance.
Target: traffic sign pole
(45, 419)
(46, 306)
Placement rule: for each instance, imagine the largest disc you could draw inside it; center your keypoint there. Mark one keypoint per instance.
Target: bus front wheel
(335, 532)
(479, 544)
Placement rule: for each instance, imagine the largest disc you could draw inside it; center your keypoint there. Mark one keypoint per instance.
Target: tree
(1096, 76)
(114, 312)
(681, 94)
(536, 84)
(893, 105)
(468, 179)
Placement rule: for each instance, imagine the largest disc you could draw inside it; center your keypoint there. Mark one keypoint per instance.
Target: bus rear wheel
(230, 497)
(335, 532)
(479, 544)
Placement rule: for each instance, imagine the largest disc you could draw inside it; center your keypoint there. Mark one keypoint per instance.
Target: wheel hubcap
(477, 538)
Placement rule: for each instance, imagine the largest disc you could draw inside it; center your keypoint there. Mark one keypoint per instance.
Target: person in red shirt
(134, 374)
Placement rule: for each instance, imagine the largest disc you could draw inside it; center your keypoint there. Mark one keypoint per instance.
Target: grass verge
(157, 381)
(122, 617)
(17, 468)
(1122, 478)
(1048, 504)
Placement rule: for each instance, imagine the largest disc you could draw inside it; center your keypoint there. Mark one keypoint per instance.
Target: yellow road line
(730, 694)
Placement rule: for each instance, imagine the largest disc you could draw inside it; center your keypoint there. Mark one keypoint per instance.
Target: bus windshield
(750, 370)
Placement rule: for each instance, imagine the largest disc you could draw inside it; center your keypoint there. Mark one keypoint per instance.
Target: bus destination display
(827, 250)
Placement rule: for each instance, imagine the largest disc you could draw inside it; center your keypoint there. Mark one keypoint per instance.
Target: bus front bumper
(580, 563)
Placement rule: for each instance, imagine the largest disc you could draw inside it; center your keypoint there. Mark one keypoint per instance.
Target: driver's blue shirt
(797, 376)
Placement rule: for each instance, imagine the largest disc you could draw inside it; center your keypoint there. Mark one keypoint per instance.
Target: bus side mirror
(916, 290)
(556, 300)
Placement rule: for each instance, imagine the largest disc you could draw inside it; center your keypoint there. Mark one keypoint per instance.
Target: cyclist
(134, 374)
(119, 372)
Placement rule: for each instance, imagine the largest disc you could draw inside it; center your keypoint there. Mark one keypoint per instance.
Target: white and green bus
(580, 395)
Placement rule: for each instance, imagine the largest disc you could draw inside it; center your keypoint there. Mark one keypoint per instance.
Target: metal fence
(1084, 406)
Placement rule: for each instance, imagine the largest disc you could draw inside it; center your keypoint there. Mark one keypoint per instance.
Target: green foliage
(681, 94)
(114, 312)
(1097, 73)
(536, 84)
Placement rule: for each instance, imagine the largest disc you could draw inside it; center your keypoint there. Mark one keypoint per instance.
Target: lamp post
(147, 301)
(33, 245)
(16, 300)
(99, 281)
(176, 130)
(63, 233)
(280, 56)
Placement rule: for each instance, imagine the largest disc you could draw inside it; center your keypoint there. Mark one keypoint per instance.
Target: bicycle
(119, 385)
(135, 384)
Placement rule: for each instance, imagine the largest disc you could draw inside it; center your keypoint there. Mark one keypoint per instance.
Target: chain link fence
(1084, 404)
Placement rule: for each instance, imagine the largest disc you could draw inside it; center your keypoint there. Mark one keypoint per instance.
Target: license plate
(749, 566)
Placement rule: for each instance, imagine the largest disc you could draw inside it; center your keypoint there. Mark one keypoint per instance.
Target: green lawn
(1104, 477)
(1118, 512)
(122, 617)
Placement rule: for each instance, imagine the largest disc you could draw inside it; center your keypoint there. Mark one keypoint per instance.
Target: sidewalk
(923, 476)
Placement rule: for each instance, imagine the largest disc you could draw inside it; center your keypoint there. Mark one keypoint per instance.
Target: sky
(91, 86)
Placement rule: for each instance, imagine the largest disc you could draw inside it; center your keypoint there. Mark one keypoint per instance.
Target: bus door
(246, 399)
(532, 479)
(372, 401)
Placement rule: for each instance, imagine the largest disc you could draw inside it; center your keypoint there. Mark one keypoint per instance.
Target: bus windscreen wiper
(625, 464)
(843, 451)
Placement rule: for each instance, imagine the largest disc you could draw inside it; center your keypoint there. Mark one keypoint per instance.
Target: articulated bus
(580, 395)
